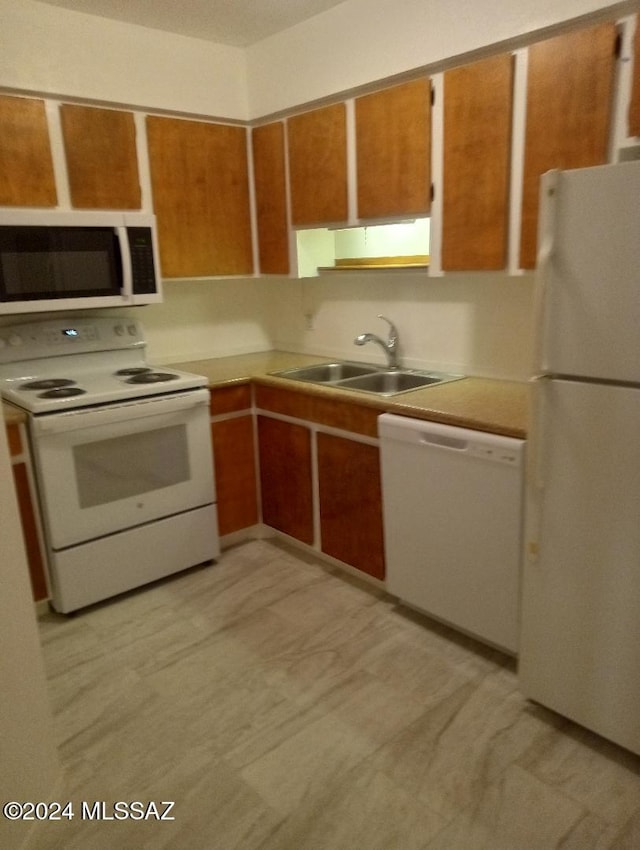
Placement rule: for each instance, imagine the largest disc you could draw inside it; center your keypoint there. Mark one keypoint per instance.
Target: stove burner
(62, 392)
(47, 384)
(134, 370)
(151, 378)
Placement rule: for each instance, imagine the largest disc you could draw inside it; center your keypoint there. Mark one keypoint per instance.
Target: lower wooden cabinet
(27, 507)
(234, 458)
(285, 477)
(351, 503)
(234, 463)
(315, 458)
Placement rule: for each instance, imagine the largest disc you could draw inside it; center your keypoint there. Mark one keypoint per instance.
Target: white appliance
(56, 260)
(122, 454)
(452, 505)
(580, 642)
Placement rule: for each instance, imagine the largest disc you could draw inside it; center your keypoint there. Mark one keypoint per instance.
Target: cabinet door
(285, 477)
(478, 102)
(26, 507)
(317, 144)
(634, 105)
(351, 503)
(393, 150)
(102, 163)
(30, 531)
(26, 167)
(271, 199)
(199, 178)
(569, 96)
(235, 471)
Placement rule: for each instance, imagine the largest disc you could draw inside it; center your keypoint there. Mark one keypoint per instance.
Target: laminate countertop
(486, 404)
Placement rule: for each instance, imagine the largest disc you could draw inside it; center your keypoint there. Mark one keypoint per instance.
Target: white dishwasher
(452, 503)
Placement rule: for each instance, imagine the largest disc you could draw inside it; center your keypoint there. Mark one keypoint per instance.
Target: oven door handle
(74, 420)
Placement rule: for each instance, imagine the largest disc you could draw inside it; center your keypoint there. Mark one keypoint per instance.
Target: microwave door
(71, 260)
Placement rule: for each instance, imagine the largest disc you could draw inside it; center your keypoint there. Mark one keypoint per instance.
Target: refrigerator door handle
(536, 437)
(546, 233)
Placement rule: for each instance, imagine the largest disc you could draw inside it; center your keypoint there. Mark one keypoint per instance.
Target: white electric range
(122, 455)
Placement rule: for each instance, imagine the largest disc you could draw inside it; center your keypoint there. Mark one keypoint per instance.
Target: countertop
(486, 404)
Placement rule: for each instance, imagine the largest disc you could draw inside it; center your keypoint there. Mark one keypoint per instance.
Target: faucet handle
(393, 331)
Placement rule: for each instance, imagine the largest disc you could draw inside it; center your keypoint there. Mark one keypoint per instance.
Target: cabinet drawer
(230, 399)
(324, 411)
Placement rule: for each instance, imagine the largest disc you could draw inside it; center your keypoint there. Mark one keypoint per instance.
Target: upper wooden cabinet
(26, 167)
(271, 198)
(393, 150)
(634, 106)
(569, 97)
(102, 163)
(478, 101)
(317, 144)
(199, 178)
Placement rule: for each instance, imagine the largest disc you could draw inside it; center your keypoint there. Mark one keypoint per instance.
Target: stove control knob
(15, 340)
(119, 330)
(133, 330)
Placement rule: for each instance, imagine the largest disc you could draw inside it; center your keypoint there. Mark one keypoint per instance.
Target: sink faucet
(390, 347)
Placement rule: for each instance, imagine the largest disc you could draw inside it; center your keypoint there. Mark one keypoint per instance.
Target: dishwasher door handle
(444, 441)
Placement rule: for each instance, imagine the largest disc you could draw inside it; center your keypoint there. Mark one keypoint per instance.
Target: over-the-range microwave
(57, 260)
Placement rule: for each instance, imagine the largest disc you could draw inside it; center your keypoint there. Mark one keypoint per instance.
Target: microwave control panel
(142, 264)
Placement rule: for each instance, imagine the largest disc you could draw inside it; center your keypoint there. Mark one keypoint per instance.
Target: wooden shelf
(358, 264)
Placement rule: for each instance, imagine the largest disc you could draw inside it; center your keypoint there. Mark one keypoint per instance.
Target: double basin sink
(364, 378)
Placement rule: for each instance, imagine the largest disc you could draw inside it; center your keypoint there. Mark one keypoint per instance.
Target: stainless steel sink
(366, 378)
(325, 373)
(390, 383)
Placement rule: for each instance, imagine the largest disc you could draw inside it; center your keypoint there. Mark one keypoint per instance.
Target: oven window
(130, 465)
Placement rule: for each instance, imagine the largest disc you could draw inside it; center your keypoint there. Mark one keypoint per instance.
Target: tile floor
(284, 706)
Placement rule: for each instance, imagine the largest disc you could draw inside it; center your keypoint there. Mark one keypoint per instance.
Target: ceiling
(233, 22)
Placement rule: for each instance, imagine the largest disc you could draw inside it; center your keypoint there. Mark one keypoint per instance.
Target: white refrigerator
(580, 616)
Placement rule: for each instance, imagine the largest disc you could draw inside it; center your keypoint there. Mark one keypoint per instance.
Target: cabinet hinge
(433, 95)
(432, 192)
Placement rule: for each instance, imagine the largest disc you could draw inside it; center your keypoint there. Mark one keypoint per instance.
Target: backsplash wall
(478, 324)
(207, 318)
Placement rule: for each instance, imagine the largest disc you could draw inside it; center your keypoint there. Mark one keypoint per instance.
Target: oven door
(103, 470)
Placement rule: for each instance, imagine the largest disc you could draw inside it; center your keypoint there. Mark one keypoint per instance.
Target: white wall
(58, 52)
(209, 318)
(362, 41)
(28, 756)
(472, 324)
